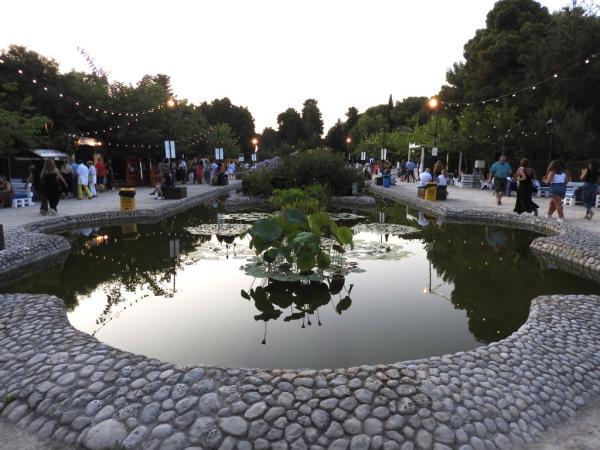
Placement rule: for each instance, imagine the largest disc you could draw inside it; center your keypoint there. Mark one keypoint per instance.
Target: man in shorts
(500, 170)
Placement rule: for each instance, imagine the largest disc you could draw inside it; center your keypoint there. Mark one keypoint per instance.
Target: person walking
(50, 178)
(101, 174)
(410, 171)
(74, 184)
(39, 193)
(199, 169)
(590, 178)
(67, 173)
(557, 179)
(500, 171)
(83, 175)
(231, 169)
(92, 178)
(525, 176)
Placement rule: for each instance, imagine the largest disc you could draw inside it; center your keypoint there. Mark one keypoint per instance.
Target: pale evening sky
(267, 55)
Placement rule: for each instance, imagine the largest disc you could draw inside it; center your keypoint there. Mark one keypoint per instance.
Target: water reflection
(302, 298)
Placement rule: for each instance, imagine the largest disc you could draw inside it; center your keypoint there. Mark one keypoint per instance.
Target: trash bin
(127, 196)
(430, 191)
(378, 181)
(387, 181)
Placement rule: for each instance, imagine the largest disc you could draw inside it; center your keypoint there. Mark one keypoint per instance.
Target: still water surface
(176, 296)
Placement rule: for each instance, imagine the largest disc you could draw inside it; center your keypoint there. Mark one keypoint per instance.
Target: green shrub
(321, 167)
(258, 182)
(309, 200)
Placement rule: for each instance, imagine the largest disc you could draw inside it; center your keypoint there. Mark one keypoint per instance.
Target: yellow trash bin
(430, 191)
(127, 196)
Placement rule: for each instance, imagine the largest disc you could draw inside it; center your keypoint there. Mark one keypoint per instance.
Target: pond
(173, 291)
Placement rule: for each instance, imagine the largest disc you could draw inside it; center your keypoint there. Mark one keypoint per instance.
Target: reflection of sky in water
(208, 322)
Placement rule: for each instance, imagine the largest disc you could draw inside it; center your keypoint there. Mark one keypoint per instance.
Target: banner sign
(170, 149)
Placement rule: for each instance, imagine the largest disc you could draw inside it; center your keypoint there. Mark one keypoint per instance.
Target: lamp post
(255, 143)
(550, 123)
(348, 142)
(434, 106)
(170, 106)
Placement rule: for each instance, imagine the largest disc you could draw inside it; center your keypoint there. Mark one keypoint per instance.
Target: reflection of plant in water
(303, 298)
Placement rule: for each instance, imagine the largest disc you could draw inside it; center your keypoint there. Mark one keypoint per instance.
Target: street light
(348, 142)
(434, 104)
(171, 103)
(255, 143)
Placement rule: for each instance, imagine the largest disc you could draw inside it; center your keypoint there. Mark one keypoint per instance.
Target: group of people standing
(74, 179)
(197, 171)
(556, 179)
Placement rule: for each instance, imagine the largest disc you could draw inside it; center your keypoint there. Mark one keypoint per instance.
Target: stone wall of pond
(65, 385)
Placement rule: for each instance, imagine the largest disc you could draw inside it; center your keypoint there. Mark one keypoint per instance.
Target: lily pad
(393, 229)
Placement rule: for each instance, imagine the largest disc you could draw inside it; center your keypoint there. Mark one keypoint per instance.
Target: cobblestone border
(63, 384)
(34, 246)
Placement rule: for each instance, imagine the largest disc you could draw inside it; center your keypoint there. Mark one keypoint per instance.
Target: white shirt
(92, 174)
(424, 178)
(442, 180)
(82, 174)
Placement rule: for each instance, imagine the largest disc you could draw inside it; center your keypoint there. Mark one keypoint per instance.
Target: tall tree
(290, 126)
(312, 121)
(336, 137)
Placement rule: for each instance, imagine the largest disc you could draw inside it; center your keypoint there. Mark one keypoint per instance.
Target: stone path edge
(35, 246)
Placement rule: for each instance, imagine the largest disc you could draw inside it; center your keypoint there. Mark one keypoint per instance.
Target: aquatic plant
(297, 243)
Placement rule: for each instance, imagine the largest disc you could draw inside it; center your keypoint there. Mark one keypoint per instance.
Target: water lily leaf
(344, 235)
(336, 284)
(305, 237)
(305, 259)
(267, 229)
(294, 216)
(270, 255)
(343, 304)
(268, 315)
(323, 261)
(294, 316)
(339, 248)
(318, 221)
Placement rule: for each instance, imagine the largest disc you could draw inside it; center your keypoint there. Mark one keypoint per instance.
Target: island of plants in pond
(299, 257)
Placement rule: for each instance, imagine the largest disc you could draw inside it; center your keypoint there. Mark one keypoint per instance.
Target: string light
(513, 94)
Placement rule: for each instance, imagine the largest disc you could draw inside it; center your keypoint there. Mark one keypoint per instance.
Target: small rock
(107, 434)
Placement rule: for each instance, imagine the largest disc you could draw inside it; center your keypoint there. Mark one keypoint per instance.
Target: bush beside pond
(303, 169)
